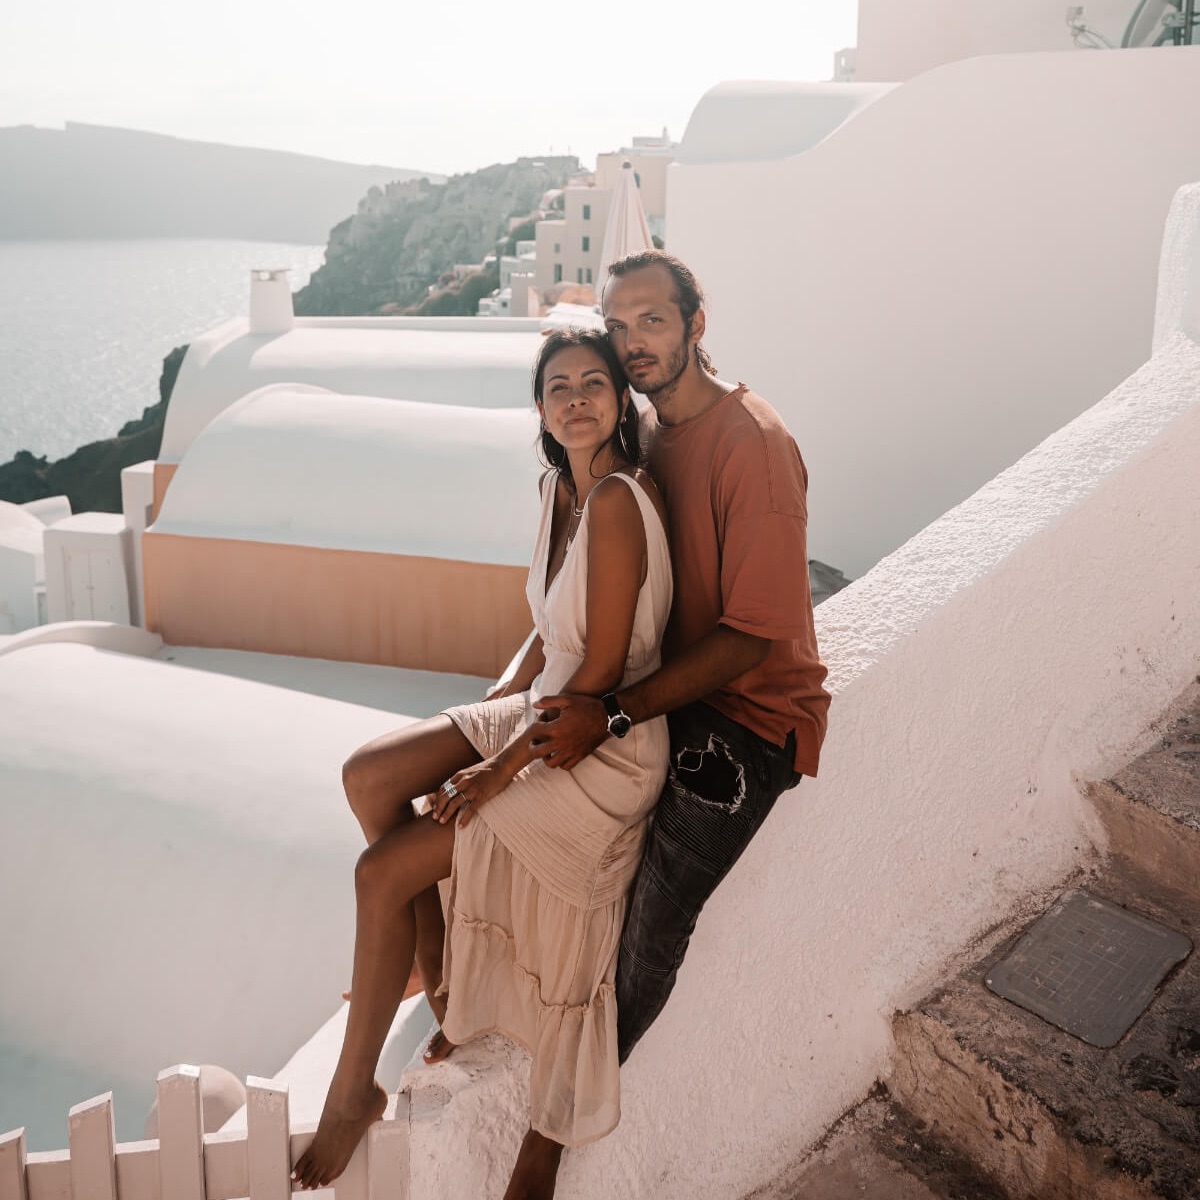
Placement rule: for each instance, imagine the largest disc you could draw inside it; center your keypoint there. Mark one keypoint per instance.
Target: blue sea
(84, 326)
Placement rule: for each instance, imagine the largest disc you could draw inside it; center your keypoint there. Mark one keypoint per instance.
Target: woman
(539, 860)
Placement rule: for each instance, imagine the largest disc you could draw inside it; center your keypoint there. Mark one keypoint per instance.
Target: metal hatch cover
(1088, 966)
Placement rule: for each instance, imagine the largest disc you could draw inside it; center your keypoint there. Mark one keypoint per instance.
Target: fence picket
(351, 1184)
(225, 1176)
(267, 1142)
(389, 1171)
(180, 1134)
(48, 1174)
(12, 1166)
(92, 1140)
(137, 1171)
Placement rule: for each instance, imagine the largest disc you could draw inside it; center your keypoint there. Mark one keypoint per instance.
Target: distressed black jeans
(722, 781)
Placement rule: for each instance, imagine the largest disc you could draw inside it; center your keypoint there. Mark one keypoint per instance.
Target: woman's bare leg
(389, 876)
(384, 776)
(381, 779)
(534, 1176)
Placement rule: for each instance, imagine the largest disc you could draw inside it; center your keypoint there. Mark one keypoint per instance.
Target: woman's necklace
(573, 522)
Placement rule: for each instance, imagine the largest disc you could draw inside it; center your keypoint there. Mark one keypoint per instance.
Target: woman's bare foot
(341, 1128)
(534, 1175)
(440, 1047)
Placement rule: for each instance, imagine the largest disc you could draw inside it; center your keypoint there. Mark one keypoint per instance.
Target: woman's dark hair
(688, 295)
(624, 440)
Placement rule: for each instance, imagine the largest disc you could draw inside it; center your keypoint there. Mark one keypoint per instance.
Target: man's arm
(574, 725)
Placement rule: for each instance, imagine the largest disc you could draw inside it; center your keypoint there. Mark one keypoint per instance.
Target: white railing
(185, 1163)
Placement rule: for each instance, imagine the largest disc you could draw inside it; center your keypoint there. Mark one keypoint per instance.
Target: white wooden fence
(185, 1163)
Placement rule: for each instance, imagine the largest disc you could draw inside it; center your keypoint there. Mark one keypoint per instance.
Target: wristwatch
(619, 723)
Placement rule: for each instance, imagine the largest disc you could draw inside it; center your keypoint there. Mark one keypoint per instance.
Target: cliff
(405, 236)
(91, 476)
(90, 181)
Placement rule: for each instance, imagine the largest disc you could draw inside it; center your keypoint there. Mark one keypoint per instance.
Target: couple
(541, 792)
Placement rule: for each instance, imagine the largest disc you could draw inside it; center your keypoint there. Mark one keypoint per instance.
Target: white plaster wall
(181, 859)
(748, 119)
(301, 466)
(945, 279)
(21, 570)
(901, 38)
(437, 360)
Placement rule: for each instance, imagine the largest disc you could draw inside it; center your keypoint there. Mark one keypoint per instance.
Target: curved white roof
(200, 815)
(307, 467)
(448, 361)
(751, 119)
(16, 517)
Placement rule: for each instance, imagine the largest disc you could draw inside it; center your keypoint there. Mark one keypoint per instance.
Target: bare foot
(534, 1175)
(439, 1048)
(339, 1131)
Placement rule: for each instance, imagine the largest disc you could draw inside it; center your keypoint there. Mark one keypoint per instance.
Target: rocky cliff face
(404, 236)
(91, 476)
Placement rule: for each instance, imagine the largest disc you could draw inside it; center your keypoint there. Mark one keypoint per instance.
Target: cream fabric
(538, 888)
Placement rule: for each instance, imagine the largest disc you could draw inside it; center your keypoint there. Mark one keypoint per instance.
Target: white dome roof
(487, 364)
(303, 466)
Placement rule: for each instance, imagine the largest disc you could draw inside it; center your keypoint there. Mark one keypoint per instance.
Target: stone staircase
(990, 1102)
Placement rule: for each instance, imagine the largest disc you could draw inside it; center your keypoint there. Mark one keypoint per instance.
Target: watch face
(619, 725)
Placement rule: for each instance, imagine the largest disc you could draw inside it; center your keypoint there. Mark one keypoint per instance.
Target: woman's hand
(466, 791)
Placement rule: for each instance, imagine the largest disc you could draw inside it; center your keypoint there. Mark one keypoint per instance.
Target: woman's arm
(616, 562)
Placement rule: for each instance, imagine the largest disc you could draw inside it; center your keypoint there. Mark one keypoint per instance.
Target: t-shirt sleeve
(764, 547)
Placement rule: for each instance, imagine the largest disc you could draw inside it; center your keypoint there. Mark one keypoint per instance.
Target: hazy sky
(440, 85)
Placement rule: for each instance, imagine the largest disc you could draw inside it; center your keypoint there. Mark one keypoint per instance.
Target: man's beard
(676, 365)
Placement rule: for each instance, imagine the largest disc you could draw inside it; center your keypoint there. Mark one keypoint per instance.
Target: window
(637, 178)
(579, 275)
(558, 272)
(557, 247)
(589, 274)
(587, 212)
(587, 244)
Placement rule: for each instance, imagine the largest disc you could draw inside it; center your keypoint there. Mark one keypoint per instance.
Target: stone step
(876, 1153)
(1151, 808)
(1042, 1113)
(1046, 1115)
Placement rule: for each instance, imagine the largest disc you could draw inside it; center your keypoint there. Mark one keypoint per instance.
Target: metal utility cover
(1088, 966)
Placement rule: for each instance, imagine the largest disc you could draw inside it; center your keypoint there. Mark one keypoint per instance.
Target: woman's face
(579, 403)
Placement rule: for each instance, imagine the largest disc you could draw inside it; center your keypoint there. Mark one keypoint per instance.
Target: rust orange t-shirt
(735, 488)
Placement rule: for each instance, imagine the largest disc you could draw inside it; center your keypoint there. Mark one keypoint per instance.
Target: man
(741, 680)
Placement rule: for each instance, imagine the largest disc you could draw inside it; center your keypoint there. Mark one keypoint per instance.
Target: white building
(568, 247)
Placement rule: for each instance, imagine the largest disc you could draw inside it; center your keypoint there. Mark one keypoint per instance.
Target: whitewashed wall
(952, 275)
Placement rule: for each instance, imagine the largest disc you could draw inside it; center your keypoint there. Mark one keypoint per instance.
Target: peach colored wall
(352, 606)
(163, 474)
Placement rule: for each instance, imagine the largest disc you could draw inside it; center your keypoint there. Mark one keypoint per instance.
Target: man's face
(646, 328)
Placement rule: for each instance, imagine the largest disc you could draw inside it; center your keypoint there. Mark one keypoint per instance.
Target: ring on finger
(449, 789)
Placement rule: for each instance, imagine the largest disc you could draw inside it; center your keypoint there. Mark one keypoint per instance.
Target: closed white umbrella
(627, 231)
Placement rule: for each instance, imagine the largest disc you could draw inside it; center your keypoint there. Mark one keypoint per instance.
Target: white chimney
(271, 301)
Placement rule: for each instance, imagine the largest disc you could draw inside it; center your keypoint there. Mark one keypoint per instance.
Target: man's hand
(571, 727)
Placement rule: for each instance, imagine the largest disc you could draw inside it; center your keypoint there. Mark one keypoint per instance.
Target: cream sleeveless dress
(540, 876)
